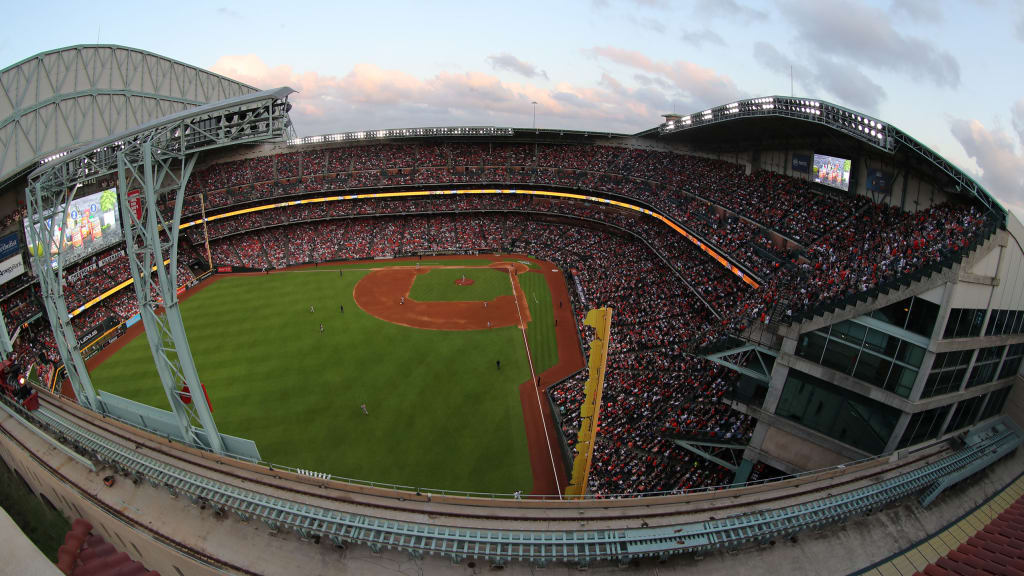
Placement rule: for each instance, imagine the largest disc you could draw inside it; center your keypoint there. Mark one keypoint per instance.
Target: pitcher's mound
(464, 281)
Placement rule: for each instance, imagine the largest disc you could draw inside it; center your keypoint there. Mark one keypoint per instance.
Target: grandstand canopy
(801, 124)
(60, 99)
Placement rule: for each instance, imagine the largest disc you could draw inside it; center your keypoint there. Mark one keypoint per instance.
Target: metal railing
(499, 546)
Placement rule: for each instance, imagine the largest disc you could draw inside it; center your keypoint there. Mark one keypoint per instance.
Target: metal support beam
(720, 449)
(153, 162)
(739, 359)
(146, 174)
(5, 339)
(47, 211)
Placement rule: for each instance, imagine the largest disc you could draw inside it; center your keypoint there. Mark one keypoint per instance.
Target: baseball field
(434, 350)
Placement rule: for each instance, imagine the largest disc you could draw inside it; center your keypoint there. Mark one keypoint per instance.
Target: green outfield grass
(441, 415)
(540, 332)
(366, 265)
(439, 285)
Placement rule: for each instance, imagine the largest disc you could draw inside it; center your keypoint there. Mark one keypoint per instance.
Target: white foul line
(536, 392)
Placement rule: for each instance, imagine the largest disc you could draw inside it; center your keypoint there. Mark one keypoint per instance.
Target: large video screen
(92, 223)
(831, 171)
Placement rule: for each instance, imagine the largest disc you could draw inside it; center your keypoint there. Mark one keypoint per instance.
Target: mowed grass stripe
(540, 332)
(438, 285)
(367, 264)
(441, 414)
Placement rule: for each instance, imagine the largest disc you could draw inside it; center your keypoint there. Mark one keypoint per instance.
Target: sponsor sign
(224, 269)
(9, 245)
(11, 268)
(579, 290)
(97, 330)
(879, 181)
(135, 202)
(801, 163)
(133, 320)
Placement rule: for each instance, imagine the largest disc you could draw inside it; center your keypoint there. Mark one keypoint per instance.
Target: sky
(950, 73)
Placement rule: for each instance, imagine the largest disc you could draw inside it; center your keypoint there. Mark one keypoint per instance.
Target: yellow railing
(600, 320)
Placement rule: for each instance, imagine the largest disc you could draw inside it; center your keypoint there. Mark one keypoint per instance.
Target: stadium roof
(63, 98)
(276, 94)
(772, 122)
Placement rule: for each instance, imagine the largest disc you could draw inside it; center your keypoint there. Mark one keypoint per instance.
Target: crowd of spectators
(654, 390)
(767, 222)
(806, 247)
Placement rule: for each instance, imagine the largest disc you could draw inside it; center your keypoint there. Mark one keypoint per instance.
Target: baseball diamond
(391, 357)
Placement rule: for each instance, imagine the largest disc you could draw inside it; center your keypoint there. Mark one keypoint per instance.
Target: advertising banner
(879, 181)
(801, 163)
(11, 268)
(9, 245)
(97, 330)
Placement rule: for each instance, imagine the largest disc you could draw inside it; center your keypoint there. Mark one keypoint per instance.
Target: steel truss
(725, 454)
(5, 339)
(47, 205)
(751, 360)
(153, 164)
(60, 99)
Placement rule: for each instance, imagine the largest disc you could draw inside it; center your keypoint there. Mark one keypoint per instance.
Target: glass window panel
(901, 380)
(811, 346)
(911, 354)
(981, 374)
(1001, 322)
(924, 426)
(951, 322)
(990, 328)
(995, 402)
(930, 385)
(1010, 367)
(839, 357)
(872, 369)
(849, 332)
(979, 321)
(991, 353)
(895, 313)
(837, 413)
(881, 342)
(966, 413)
(922, 317)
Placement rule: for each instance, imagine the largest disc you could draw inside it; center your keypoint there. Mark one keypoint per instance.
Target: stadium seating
(810, 250)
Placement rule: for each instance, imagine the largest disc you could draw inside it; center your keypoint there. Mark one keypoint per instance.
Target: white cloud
(1001, 160)
(506, 61)
(369, 97)
(698, 38)
(847, 83)
(700, 87)
(927, 11)
(865, 35)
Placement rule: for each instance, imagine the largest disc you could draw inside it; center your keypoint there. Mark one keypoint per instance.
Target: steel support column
(145, 175)
(47, 209)
(5, 339)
